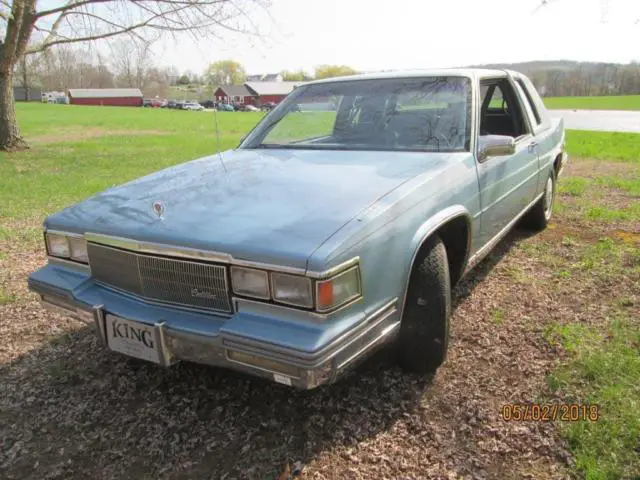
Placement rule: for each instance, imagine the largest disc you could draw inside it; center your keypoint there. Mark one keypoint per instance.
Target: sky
(405, 34)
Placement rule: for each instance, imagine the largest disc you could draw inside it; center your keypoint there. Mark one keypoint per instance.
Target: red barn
(237, 94)
(120, 97)
(275, 92)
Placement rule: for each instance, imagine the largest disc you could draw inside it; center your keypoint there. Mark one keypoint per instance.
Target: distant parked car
(246, 108)
(225, 107)
(265, 107)
(152, 102)
(193, 106)
(208, 104)
(172, 104)
(52, 97)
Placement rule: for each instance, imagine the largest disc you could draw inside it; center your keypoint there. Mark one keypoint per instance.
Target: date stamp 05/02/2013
(535, 412)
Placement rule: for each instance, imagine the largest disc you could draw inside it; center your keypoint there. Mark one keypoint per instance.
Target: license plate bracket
(135, 339)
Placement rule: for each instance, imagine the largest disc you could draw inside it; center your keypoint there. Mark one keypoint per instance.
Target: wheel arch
(454, 227)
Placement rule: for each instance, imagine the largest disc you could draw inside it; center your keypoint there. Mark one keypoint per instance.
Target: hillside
(568, 78)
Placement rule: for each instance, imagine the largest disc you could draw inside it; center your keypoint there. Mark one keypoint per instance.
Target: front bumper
(246, 341)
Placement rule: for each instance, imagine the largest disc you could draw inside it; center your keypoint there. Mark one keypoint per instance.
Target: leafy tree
(297, 76)
(183, 80)
(328, 71)
(225, 72)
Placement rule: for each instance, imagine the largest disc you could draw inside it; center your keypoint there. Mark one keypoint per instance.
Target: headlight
(339, 290)
(78, 249)
(67, 246)
(250, 282)
(58, 245)
(292, 289)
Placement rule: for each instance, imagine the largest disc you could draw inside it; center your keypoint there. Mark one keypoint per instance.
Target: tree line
(127, 64)
(570, 79)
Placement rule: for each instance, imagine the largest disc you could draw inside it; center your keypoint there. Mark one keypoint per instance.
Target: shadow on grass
(71, 409)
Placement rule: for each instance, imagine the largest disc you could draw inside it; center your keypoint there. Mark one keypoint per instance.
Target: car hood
(271, 206)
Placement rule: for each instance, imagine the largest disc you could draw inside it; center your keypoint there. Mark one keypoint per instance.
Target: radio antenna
(215, 116)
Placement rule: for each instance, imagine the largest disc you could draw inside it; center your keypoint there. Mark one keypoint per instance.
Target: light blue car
(324, 235)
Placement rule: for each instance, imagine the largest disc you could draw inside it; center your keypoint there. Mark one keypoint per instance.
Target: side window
(497, 101)
(501, 112)
(529, 102)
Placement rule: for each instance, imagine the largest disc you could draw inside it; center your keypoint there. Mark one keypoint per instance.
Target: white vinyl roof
(445, 72)
(104, 92)
(273, 88)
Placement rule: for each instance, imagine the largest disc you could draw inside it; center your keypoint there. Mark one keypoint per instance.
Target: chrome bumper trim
(321, 367)
(372, 321)
(59, 306)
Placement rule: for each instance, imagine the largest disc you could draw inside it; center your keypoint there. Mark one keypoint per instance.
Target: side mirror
(495, 146)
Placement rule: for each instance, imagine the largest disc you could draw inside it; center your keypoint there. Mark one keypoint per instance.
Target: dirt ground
(71, 409)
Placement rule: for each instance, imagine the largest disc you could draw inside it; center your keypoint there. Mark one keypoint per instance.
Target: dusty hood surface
(274, 206)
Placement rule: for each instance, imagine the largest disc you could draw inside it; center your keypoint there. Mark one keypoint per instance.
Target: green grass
(302, 125)
(497, 316)
(5, 298)
(629, 185)
(604, 145)
(631, 213)
(78, 150)
(603, 366)
(604, 369)
(622, 102)
(574, 186)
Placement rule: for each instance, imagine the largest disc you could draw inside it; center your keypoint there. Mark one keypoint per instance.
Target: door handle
(532, 147)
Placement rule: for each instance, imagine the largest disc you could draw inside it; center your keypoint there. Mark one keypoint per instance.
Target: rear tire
(540, 214)
(424, 331)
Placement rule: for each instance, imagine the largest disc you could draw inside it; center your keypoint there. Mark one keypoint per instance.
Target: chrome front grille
(184, 282)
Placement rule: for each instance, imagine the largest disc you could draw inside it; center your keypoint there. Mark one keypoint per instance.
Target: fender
(559, 148)
(427, 229)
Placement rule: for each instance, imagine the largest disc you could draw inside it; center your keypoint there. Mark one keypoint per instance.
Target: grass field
(565, 301)
(610, 102)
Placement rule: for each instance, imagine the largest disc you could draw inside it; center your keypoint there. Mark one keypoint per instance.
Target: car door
(508, 184)
(539, 128)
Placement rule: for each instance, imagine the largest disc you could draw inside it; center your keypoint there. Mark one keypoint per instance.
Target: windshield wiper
(267, 145)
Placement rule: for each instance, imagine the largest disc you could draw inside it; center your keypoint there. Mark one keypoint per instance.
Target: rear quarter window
(533, 99)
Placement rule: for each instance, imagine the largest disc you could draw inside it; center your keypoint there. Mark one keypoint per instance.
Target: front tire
(540, 214)
(424, 331)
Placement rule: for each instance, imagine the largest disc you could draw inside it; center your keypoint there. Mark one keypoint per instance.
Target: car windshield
(422, 114)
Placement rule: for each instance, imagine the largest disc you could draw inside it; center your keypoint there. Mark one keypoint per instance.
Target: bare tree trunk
(10, 138)
(25, 79)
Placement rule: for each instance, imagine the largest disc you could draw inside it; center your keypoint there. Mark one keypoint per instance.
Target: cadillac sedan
(325, 234)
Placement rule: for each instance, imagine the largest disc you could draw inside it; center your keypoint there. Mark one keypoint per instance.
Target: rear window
(530, 102)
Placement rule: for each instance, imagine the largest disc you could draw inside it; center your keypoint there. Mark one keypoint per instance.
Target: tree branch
(68, 6)
(120, 29)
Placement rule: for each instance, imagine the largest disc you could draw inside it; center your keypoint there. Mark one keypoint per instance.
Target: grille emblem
(158, 208)
(196, 292)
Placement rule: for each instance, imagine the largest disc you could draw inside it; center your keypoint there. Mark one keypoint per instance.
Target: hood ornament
(158, 208)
